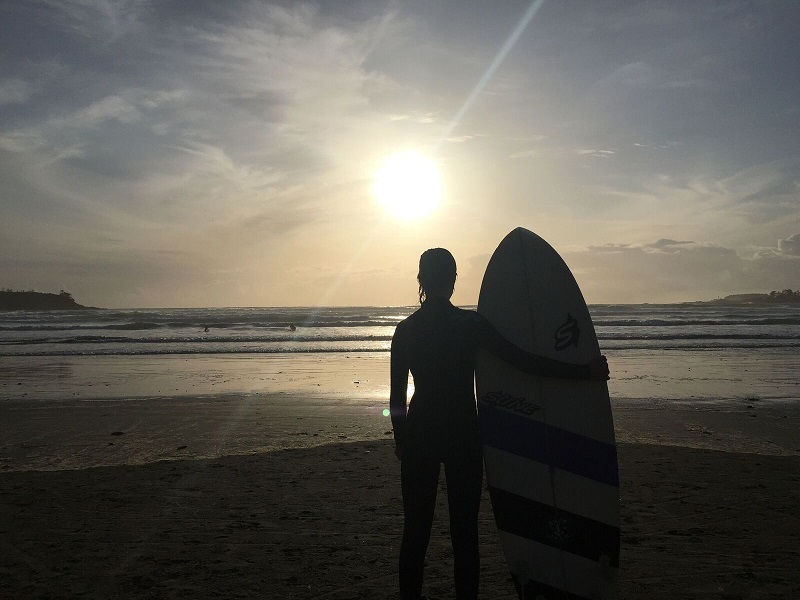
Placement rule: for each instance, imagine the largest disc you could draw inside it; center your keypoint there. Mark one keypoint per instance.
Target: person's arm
(398, 390)
(535, 364)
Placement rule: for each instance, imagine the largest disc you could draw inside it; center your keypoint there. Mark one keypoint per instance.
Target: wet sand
(182, 498)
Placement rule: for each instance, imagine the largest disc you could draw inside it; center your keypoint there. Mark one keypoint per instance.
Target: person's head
(437, 274)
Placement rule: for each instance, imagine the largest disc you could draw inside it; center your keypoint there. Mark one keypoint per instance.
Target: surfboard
(549, 449)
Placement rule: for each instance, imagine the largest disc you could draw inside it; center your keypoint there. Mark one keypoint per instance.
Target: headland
(30, 300)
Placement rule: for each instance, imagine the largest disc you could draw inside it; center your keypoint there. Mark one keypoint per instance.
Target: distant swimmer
(292, 327)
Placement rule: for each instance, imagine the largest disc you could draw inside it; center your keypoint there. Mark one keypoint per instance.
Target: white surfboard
(549, 450)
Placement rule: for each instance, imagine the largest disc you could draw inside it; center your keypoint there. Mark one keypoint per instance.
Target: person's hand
(598, 368)
(398, 452)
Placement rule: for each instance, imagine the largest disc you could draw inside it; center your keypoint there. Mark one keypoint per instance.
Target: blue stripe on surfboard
(524, 477)
(545, 524)
(543, 443)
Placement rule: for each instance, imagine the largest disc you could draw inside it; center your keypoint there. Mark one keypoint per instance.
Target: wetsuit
(438, 344)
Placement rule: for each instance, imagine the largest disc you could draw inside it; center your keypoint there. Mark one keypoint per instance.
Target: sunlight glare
(407, 185)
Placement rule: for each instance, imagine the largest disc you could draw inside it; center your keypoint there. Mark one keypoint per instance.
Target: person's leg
(464, 473)
(419, 478)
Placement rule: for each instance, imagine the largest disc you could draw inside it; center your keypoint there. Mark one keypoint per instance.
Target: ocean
(679, 351)
(365, 329)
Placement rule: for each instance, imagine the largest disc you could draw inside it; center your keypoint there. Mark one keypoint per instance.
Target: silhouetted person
(438, 344)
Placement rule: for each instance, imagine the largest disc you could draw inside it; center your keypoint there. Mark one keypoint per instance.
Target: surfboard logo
(500, 399)
(567, 334)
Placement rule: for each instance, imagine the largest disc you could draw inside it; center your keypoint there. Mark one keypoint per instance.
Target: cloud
(425, 117)
(527, 154)
(103, 19)
(663, 146)
(111, 107)
(262, 100)
(639, 15)
(635, 74)
(311, 69)
(665, 245)
(701, 202)
(202, 141)
(641, 76)
(460, 139)
(790, 246)
(14, 91)
(242, 137)
(677, 271)
(594, 153)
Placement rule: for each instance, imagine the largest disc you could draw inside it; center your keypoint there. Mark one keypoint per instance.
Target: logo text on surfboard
(567, 334)
(500, 399)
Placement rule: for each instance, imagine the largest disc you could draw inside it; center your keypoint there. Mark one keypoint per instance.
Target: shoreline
(664, 376)
(75, 434)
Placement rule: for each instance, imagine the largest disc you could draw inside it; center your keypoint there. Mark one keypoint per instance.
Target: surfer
(438, 344)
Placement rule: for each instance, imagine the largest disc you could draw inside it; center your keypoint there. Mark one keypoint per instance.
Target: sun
(407, 185)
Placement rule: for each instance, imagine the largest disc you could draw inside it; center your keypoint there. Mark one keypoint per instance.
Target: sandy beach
(282, 496)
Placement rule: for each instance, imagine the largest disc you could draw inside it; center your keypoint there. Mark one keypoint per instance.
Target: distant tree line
(774, 297)
(784, 296)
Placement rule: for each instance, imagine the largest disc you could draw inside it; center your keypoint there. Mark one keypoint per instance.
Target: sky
(189, 154)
